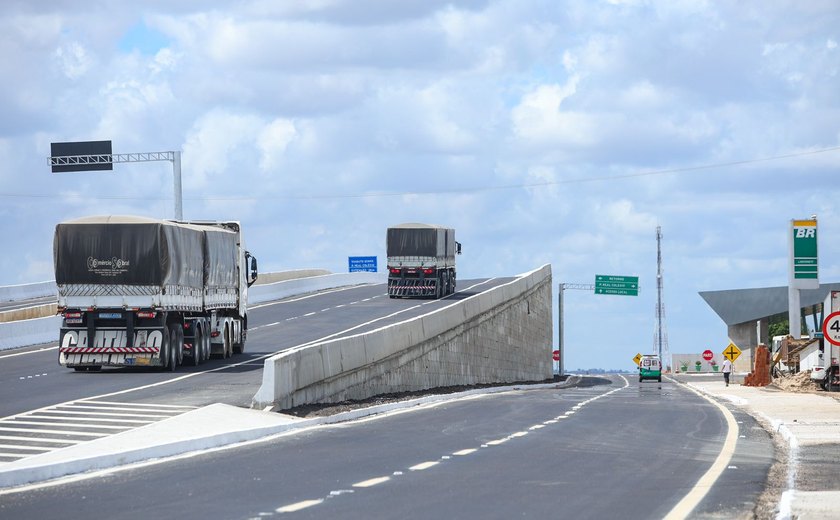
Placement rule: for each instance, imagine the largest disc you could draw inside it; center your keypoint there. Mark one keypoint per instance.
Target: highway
(33, 376)
(609, 447)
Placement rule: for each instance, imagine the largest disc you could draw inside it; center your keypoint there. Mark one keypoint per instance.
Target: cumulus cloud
(540, 132)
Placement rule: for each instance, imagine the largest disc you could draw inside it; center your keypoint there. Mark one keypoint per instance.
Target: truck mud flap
(408, 288)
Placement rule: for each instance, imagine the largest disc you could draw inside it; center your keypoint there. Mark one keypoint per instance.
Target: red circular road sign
(556, 355)
(708, 355)
(831, 328)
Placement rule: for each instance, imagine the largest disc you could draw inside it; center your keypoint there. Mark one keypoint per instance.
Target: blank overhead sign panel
(81, 156)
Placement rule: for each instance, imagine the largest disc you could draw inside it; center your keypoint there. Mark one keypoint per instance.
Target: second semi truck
(421, 260)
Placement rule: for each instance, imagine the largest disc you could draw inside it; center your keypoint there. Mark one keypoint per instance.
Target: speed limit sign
(831, 328)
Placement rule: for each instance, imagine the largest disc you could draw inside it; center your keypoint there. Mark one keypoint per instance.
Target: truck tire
(205, 345)
(227, 349)
(172, 339)
(198, 347)
(239, 348)
(179, 342)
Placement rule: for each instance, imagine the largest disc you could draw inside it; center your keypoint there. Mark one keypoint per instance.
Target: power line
(454, 191)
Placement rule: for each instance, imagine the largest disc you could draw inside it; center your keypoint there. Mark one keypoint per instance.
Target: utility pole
(661, 334)
(563, 287)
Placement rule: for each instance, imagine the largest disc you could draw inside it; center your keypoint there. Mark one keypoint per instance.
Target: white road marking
(29, 352)
(309, 314)
(685, 506)
(291, 508)
(468, 451)
(424, 465)
(537, 427)
(371, 482)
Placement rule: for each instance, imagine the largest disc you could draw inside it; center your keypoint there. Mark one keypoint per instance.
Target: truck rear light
(395, 270)
(214, 334)
(72, 314)
(146, 314)
(428, 271)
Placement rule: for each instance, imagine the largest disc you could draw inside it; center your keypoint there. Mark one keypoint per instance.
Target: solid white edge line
(685, 506)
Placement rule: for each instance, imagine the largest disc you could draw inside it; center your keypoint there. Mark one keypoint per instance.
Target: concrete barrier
(499, 336)
(36, 311)
(283, 289)
(29, 332)
(10, 293)
(266, 278)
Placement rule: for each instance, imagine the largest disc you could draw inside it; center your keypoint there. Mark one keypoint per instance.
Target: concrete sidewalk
(810, 423)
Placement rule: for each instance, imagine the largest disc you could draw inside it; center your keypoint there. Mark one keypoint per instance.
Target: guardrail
(44, 329)
(501, 335)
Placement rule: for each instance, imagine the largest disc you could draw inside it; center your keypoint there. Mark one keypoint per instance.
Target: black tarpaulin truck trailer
(421, 260)
(135, 291)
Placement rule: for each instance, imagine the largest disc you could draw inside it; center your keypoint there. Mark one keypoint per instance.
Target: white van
(650, 367)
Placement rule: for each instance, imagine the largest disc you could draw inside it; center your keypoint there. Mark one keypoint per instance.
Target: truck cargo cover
(141, 251)
(420, 240)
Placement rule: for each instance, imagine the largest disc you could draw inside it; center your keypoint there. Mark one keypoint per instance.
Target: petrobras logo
(113, 263)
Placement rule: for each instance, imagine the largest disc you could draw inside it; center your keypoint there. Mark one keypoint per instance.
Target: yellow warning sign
(732, 352)
(637, 359)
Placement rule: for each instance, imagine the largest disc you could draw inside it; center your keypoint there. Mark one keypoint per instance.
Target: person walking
(727, 369)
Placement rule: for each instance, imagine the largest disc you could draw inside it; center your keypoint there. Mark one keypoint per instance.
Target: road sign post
(617, 285)
(96, 155)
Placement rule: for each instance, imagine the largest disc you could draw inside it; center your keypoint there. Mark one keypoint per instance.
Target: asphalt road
(32, 379)
(612, 448)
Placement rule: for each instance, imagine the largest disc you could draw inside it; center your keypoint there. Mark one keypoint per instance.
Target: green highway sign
(617, 285)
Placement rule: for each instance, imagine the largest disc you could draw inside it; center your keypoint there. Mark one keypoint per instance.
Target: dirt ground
(327, 409)
(800, 382)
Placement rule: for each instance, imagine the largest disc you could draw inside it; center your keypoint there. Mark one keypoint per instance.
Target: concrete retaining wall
(502, 335)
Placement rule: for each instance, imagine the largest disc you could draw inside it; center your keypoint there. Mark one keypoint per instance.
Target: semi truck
(136, 291)
(421, 260)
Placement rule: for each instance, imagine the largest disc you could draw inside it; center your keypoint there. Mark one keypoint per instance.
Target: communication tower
(660, 336)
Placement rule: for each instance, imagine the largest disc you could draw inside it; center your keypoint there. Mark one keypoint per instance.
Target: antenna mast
(661, 335)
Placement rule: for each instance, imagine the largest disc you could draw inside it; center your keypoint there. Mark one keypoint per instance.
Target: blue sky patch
(143, 39)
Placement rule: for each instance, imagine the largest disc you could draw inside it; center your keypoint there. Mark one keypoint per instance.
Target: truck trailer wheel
(198, 347)
(208, 349)
(171, 339)
(227, 348)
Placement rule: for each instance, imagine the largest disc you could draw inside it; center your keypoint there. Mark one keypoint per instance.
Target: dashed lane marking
(371, 482)
(429, 464)
(291, 508)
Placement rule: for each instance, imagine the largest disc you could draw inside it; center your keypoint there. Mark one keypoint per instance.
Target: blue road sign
(361, 263)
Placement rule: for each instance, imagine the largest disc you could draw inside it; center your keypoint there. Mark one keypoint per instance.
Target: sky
(543, 131)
